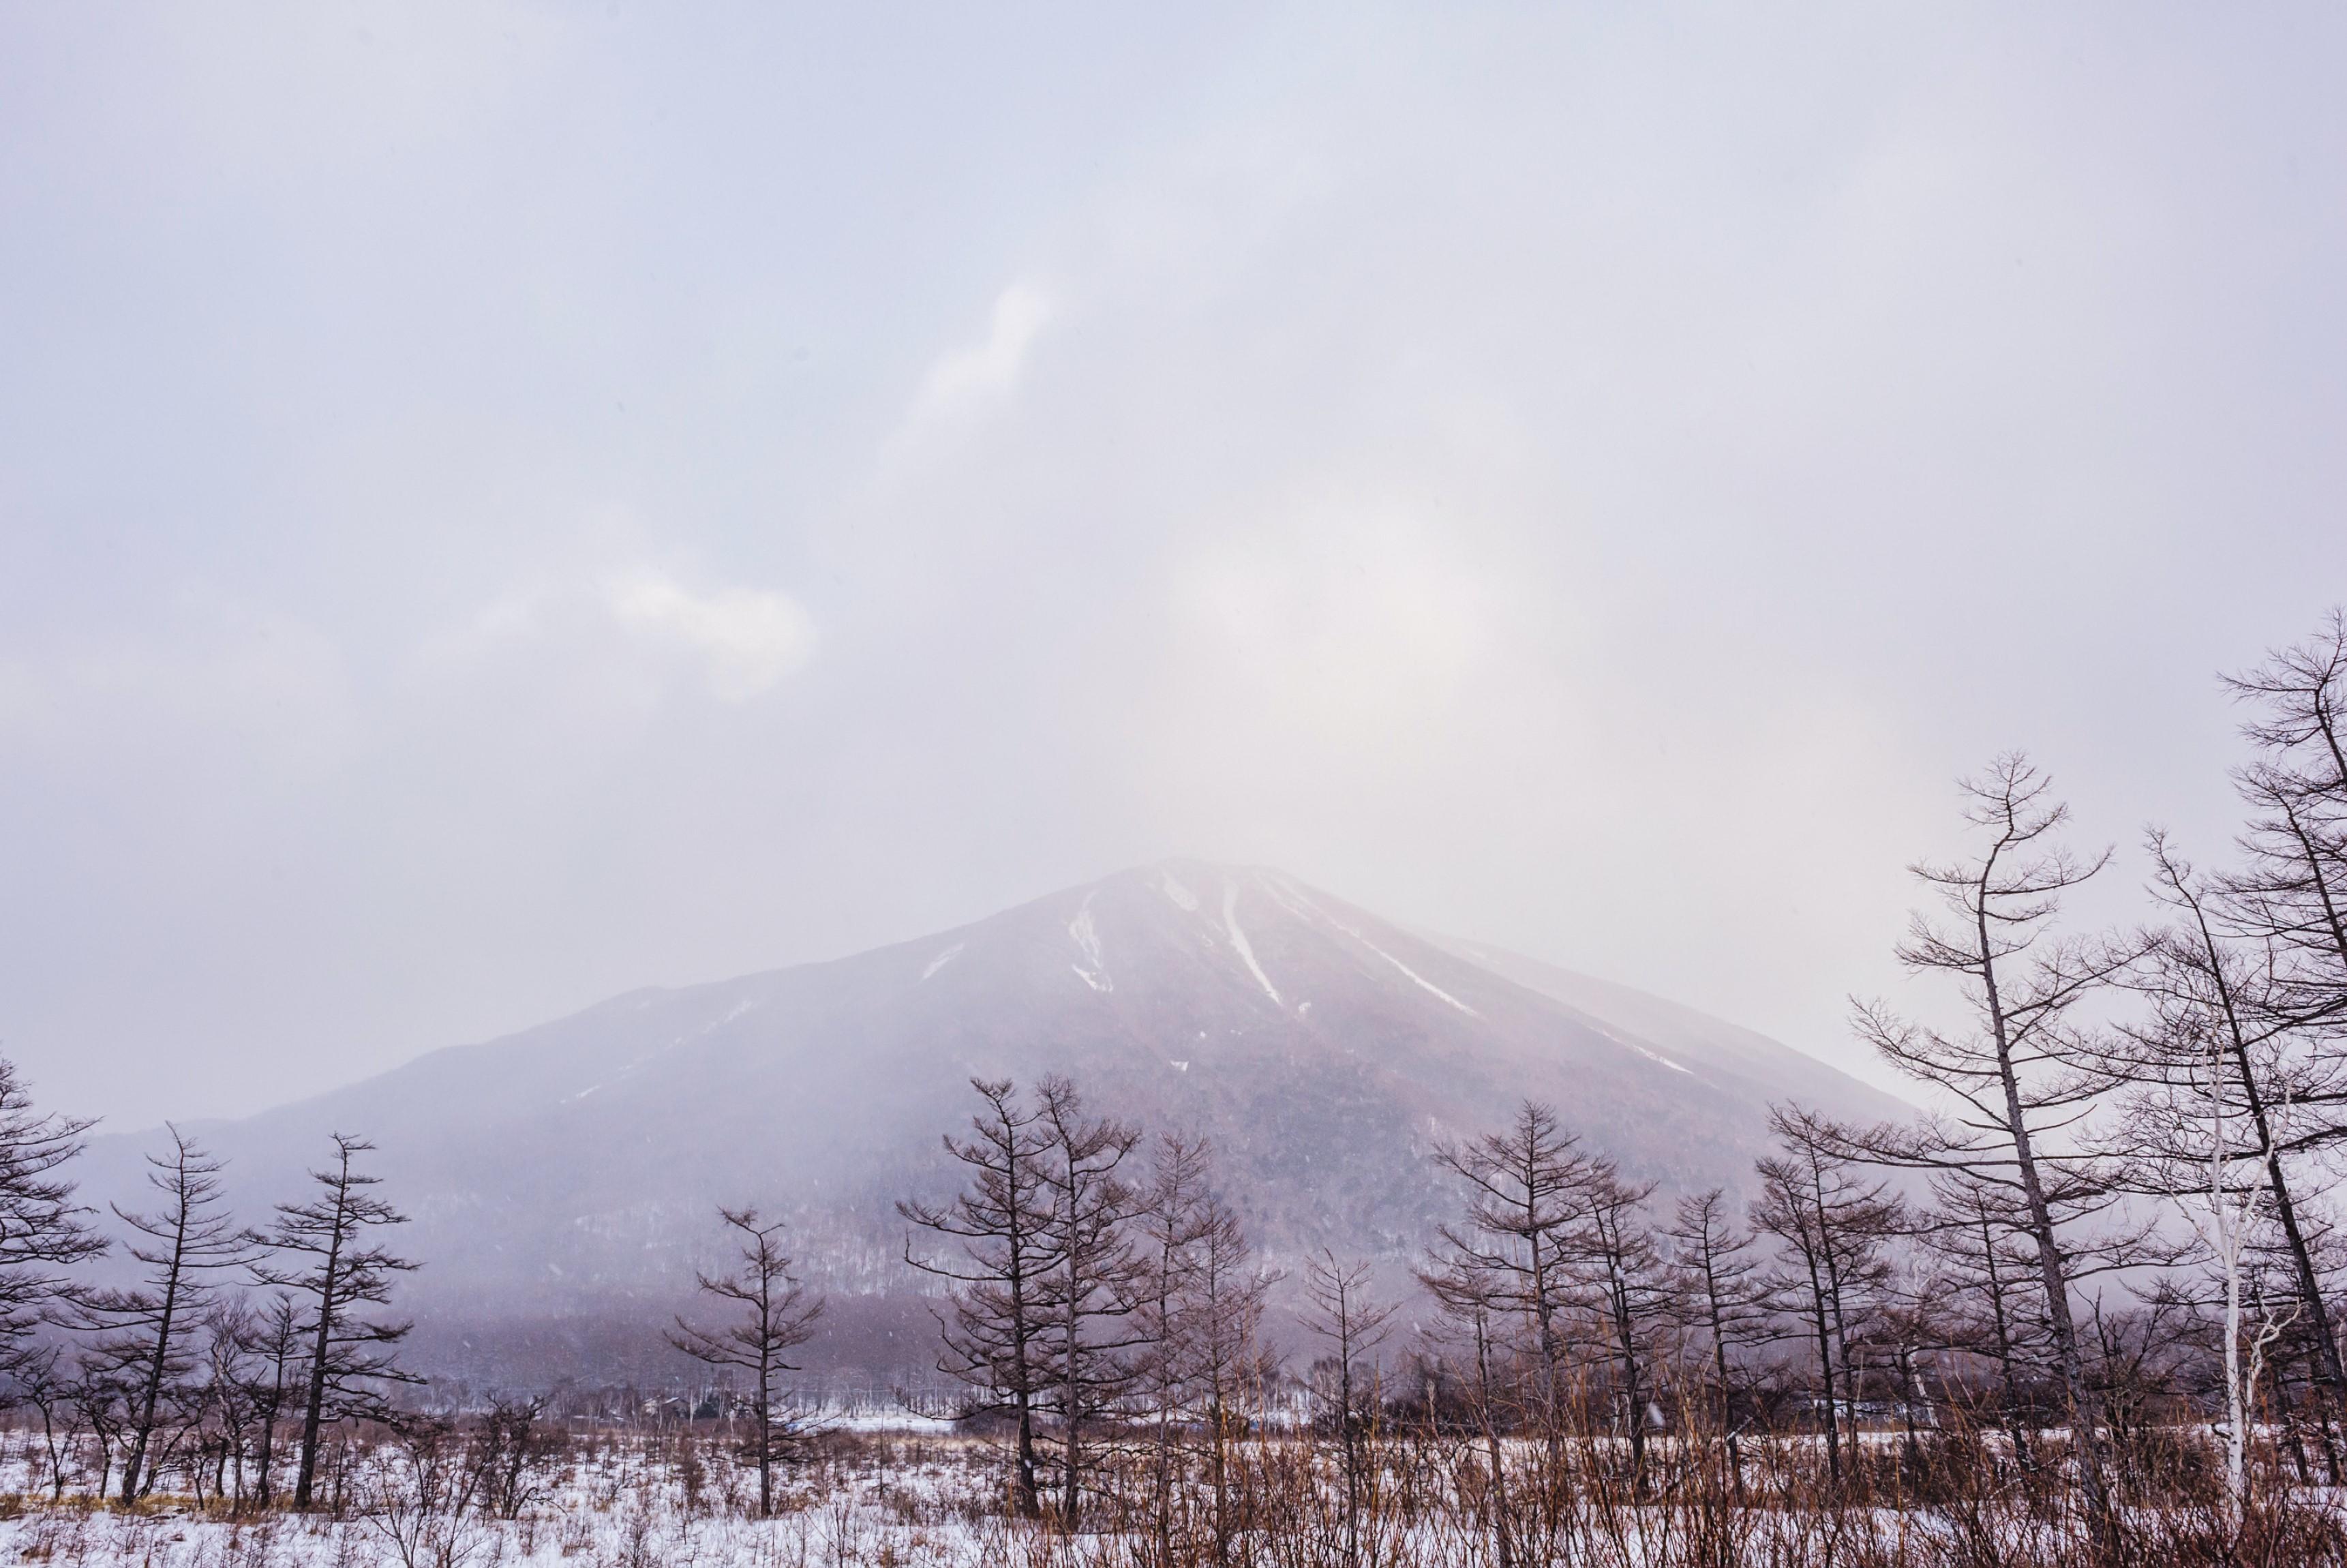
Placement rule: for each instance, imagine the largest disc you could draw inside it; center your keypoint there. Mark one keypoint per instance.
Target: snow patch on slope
(1287, 893)
(1093, 970)
(940, 961)
(1171, 885)
(1420, 980)
(1239, 940)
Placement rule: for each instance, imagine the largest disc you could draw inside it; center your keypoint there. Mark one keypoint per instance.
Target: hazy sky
(501, 505)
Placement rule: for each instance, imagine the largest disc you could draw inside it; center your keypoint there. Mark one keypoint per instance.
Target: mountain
(570, 1172)
(1725, 1050)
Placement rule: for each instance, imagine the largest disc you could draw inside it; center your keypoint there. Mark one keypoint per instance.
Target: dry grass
(1425, 1499)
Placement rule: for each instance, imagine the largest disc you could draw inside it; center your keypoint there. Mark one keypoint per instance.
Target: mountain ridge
(574, 1167)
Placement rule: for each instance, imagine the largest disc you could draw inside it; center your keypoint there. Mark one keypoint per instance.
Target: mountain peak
(1323, 1049)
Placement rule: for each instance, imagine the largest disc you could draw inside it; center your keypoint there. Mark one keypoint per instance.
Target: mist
(502, 504)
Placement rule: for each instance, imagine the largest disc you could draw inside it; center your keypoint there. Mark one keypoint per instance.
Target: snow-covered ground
(629, 1503)
(635, 1500)
(632, 1536)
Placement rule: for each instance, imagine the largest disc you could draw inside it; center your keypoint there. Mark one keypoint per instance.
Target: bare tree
(1340, 1309)
(2225, 1216)
(994, 1330)
(2294, 1354)
(100, 1397)
(2022, 1077)
(1173, 1221)
(37, 1378)
(1912, 1328)
(1197, 1310)
(1622, 1270)
(511, 1445)
(42, 1230)
(1832, 1225)
(2292, 891)
(1717, 1296)
(2262, 950)
(776, 1316)
(272, 1339)
(322, 1252)
(146, 1333)
(1470, 1299)
(1985, 1262)
(1528, 1200)
(1226, 1361)
(2219, 1030)
(1090, 1294)
(229, 1326)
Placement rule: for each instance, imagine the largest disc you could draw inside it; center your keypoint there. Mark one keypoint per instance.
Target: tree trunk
(1500, 1533)
(313, 1403)
(765, 1445)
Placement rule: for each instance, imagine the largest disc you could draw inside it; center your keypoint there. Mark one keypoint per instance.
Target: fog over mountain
(495, 498)
(567, 1174)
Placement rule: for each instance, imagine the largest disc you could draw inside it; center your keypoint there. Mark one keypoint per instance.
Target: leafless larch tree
(2019, 1082)
(775, 1315)
(993, 1327)
(324, 1255)
(145, 1335)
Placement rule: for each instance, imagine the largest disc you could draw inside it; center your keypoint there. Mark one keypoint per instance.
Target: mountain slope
(1326, 1051)
(1687, 1035)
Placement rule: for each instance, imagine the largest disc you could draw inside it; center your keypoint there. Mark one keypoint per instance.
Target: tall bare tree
(2292, 888)
(1095, 1286)
(776, 1316)
(1623, 1280)
(2019, 1080)
(1198, 1309)
(1173, 1219)
(1832, 1224)
(322, 1251)
(1717, 1296)
(994, 1328)
(43, 1231)
(1228, 1365)
(1528, 1203)
(2262, 950)
(2222, 1070)
(1470, 1299)
(1341, 1310)
(2191, 1143)
(146, 1333)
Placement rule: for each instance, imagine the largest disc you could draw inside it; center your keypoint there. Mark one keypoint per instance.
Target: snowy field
(916, 1500)
(628, 1502)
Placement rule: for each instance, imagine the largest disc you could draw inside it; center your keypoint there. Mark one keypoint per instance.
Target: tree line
(234, 1352)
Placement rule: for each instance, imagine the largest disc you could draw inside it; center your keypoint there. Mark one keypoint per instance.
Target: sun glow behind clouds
(1350, 619)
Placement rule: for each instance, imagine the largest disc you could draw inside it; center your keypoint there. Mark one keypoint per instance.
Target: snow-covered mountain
(570, 1167)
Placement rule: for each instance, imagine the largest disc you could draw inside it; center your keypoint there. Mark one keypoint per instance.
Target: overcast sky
(503, 505)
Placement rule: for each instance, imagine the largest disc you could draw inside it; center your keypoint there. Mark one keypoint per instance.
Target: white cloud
(1333, 623)
(748, 639)
(978, 372)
